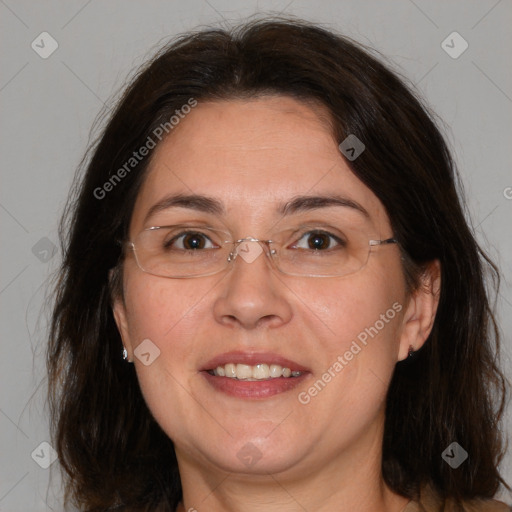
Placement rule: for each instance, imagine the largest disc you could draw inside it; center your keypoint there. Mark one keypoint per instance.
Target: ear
(421, 311)
(120, 315)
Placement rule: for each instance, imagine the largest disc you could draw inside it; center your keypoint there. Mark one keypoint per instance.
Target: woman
(270, 299)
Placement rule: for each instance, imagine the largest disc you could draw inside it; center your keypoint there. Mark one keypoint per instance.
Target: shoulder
(430, 501)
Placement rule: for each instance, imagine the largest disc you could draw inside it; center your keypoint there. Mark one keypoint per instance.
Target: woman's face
(343, 333)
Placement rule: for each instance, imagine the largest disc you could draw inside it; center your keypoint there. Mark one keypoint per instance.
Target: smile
(253, 375)
(255, 372)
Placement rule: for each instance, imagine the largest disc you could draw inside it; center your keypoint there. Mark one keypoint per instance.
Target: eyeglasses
(182, 251)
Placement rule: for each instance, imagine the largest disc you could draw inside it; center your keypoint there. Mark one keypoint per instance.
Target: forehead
(252, 155)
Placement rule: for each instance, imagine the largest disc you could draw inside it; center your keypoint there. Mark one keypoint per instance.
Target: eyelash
(168, 244)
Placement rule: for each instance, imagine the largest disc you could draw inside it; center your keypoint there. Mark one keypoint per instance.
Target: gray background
(48, 107)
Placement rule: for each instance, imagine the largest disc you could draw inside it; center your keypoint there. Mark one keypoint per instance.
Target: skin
(326, 455)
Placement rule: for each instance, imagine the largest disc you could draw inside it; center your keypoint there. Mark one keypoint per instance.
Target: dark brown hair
(112, 450)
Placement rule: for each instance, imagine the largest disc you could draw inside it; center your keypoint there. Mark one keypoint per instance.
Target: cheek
(164, 319)
(361, 307)
(358, 321)
(160, 309)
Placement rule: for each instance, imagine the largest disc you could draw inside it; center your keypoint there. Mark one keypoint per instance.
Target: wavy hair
(111, 449)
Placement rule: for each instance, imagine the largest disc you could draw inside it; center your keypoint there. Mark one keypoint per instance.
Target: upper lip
(252, 358)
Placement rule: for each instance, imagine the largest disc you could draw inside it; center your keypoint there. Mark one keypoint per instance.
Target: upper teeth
(256, 372)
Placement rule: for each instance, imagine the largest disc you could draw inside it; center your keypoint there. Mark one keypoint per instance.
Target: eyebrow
(211, 205)
(191, 201)
(306, 203)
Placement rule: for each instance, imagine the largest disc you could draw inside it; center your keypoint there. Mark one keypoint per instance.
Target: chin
(247, 459)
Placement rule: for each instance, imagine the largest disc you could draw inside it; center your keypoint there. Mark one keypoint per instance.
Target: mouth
(253, 375)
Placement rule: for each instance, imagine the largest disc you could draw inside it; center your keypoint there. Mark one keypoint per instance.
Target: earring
(411, 351)
(125, 354)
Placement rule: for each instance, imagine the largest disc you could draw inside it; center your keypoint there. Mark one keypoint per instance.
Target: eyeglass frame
(269, 253)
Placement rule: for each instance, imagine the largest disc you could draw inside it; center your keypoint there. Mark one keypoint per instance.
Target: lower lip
(253, 389)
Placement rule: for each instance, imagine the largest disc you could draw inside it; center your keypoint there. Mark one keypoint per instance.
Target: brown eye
(193, 241)
(318, 241)
(189, 241)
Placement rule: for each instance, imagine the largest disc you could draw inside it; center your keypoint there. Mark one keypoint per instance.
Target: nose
(252, 295)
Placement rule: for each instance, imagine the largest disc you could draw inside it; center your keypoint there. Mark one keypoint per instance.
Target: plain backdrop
(48, 106)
